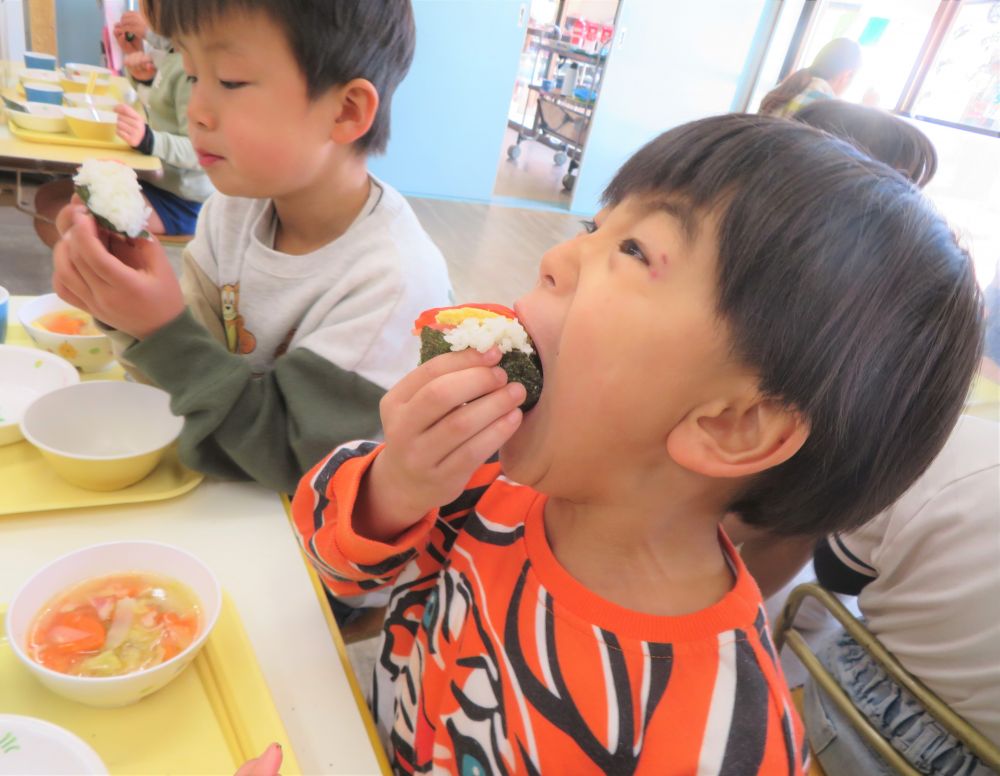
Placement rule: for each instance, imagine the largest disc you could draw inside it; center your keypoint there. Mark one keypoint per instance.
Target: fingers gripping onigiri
(481, 326)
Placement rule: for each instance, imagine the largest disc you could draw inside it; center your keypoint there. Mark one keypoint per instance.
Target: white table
(241, 531)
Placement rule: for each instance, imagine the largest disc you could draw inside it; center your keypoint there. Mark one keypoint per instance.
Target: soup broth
(115, 625)
(72, 322)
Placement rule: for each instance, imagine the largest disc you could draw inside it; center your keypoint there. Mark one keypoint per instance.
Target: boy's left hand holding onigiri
(125, 283)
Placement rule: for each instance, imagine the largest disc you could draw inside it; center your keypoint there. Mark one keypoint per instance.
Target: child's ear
(357, 104)
(737, 439)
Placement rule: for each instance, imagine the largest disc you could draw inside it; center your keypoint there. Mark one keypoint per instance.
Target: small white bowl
(26, 374)
(87, 352)
(41, 117)
(33, 75)
(102, 435)
(78, 69)
(102, 560)
(35, 747)
(84, 100)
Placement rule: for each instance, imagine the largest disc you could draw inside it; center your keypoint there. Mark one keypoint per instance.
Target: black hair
(845, 292)
(839, 56)
(334, 41)
(879, 134)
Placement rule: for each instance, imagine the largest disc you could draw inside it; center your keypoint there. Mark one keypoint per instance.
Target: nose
(560, 266)
(198, 111)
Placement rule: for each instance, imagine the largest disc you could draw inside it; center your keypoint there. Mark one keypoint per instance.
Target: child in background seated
(305, 273)
(879, 134)
(927, 576)
(710, 343)
(176, 195)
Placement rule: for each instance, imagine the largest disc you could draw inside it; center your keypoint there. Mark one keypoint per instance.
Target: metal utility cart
(558, 121)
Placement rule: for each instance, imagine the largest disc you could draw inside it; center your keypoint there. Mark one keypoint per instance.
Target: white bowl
(102, 435)
(26, 374)
(41, 117)
(34, 747)
(102, 560)
(33, 75)
(82, 100)
(77, 69)
(87, 352)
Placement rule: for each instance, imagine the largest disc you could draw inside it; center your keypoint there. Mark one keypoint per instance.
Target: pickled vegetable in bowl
(115, 625)
(68, 321)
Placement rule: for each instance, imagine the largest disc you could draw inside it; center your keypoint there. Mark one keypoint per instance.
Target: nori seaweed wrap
(448, 329)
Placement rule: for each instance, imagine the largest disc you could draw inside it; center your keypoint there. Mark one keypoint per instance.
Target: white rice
(115, 195)
(483, 333)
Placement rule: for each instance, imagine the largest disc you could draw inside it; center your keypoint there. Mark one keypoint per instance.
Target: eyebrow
(679, 209)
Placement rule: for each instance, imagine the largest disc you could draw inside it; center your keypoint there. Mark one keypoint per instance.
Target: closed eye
(232, 84)
(632, 248)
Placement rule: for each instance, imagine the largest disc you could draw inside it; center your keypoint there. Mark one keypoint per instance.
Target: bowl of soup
(104, 434)
(109, 624)
(60, 328)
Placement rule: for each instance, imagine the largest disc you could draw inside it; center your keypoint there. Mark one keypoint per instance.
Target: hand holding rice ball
(111, 192)
(482, 326)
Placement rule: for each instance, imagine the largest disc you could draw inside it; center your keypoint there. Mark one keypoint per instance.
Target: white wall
(12, 43)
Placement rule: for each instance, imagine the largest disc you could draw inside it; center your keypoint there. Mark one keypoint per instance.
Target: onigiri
(481, 326)
(111, 191)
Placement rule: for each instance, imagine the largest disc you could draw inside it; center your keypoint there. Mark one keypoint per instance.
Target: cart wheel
(568, 181)
(559, 158)
(513, 152)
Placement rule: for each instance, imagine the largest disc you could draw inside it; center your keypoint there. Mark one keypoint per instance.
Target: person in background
(297, 293)
(175, 196)
(879, 134)
(827, 77)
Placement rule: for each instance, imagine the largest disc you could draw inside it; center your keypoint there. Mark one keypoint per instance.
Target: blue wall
(678, 61)
(449, 115)
(78, 31)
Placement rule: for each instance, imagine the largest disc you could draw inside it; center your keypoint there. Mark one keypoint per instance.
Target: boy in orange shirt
(760, 320)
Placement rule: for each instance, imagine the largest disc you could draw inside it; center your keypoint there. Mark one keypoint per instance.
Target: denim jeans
(894, 712)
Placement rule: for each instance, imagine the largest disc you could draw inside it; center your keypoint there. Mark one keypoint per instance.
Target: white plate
(33, 746)
(26, 374)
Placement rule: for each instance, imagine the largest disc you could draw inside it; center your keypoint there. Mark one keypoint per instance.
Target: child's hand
(127, 284)
(132, 23)
(442, 422)
(131, 126)
(265, 765)
(140, 66)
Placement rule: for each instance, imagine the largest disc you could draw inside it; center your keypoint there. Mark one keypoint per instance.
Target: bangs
(172, 18)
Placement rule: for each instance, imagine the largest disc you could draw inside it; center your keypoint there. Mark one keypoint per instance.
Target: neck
(321, 211)
(662, 558)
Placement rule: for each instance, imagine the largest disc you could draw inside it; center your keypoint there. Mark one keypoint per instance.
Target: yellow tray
(210, 719)
(64, 138)
(30, 484)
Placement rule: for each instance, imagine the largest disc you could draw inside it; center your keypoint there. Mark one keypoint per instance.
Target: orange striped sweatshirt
(494, 660)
